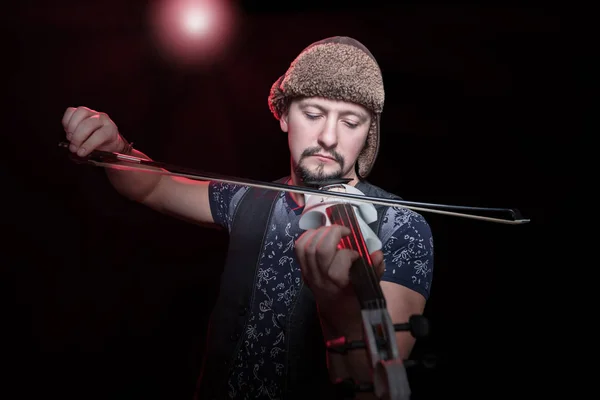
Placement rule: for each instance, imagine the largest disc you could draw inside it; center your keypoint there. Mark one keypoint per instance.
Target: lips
(326, 157)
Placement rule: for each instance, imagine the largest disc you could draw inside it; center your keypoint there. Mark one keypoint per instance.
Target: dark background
(105, 299)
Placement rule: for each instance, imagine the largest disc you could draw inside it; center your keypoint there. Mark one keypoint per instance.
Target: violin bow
(119, 161)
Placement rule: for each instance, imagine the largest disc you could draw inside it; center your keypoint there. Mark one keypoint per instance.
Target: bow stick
(115, 160)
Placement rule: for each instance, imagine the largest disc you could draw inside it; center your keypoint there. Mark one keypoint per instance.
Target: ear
(283, 122)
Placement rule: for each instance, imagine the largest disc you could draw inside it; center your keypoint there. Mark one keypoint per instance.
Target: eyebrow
(361, 115)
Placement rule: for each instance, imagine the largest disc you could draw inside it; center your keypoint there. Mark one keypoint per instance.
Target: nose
(328, 135)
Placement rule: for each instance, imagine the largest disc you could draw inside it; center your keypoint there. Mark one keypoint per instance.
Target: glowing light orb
(193, 31)
(196, 21)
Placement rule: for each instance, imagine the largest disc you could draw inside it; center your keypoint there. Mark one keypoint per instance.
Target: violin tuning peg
(418, 326)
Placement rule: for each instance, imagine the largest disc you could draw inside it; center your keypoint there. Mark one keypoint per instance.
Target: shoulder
(407, 242)
(399, 221)
(370, 189)
(408, 249)
(220, 191)
(225, 199)
(395, 219)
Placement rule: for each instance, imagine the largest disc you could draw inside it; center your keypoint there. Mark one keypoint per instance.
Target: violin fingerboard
(366, 286)
(362, 274)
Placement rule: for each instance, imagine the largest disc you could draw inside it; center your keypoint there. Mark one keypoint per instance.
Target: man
(285, 292)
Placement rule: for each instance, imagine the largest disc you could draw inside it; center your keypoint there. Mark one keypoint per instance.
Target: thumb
(378, 262)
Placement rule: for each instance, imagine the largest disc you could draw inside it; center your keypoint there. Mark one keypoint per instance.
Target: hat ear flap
(368, 155)
(277, 101)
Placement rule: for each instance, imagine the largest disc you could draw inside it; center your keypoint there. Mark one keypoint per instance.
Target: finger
(300, 247)
(378, 263)
(96, 139)
(316, 274)
(316, 251)
(86, 128)
(339, 270)
(328, 246)
(67, 117)
(78, 115)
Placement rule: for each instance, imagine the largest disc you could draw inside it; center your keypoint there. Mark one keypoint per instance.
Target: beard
(314, 177)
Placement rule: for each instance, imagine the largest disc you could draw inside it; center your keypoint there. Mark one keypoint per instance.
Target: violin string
(371, 272)
(359, 245)
(337, 218)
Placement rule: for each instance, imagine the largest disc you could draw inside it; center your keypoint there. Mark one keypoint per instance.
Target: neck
(296, 181)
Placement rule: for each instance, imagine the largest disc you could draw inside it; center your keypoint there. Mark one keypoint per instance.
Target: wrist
(126, 147)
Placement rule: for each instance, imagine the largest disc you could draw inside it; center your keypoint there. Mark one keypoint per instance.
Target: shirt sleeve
(224, 199)
(408, 250)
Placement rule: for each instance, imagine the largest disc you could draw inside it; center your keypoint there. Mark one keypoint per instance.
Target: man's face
(325, 137)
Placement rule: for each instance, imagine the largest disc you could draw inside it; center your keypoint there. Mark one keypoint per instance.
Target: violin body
(315, 213)
(388, 372)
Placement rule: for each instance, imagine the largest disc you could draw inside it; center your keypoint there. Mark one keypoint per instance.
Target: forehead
(332, 105)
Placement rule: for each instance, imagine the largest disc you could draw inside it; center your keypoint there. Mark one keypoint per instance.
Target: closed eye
(311, 116)
(349, 124)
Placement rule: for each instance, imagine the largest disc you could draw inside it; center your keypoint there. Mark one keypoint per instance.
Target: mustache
(313, 151)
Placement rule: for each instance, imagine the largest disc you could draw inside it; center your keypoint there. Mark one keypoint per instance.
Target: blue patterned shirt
(257, 372)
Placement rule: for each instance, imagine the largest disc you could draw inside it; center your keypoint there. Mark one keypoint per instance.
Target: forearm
(135, 185)
(355, 364)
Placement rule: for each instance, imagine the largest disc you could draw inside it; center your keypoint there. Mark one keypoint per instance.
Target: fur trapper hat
(337, 68)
